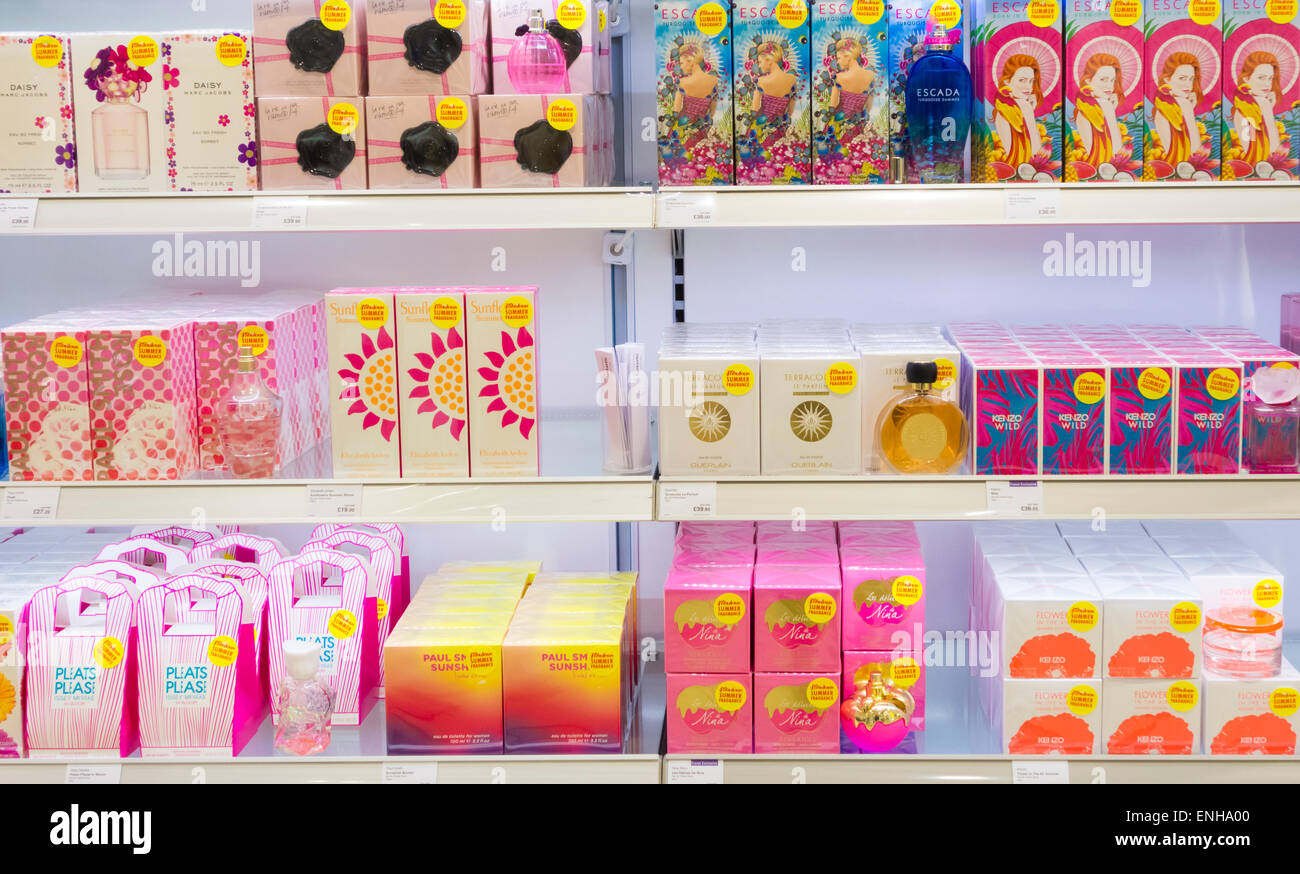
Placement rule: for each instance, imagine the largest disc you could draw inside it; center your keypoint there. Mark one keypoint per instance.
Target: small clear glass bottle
(1271, 422)
(248, 419)
(1243, 642)
(921, 432)
(536, 62)
(305, 702)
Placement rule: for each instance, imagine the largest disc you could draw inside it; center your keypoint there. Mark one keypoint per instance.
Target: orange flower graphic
(512, 385)
(372, 381)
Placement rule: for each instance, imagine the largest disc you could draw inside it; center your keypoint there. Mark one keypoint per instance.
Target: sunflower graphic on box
(511, 381)
(370, 381)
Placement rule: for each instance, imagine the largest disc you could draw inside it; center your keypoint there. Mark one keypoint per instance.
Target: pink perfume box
(883, 594)
(797, 713)
(711, 713)
(799, 556)
(714, 556)
(309, 48)
(47, 399)
(796, 618)
(535, 141)
(1141, 429)
(1074, 414)
(580, 26)
(707, 620)
(1001, 397)
(37, 145)
(1207, 412)
(399, 129)
(906, 670)
(399, 34)
(312, 142)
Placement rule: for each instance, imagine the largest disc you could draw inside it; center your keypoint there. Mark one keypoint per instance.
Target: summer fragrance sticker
(1281, 11)
(841, 378)
(1182, 696)
(711, 19)
(819, 607)
(335, 14)
(1223, 384)
(1184, 617)
(517, 311)
(738, 379)
(343, 624)
(1082, 616)
(1125, 13)
(445, 313)
(947, 13)
(452, 113)
(372, 313)
(150, 351)
(868, 11)
(1154, 383)
(571, 14)
(1267, 594)
(947, 373)
(1284, 701)
(729, 696)
(1204, 11)
(602, 19)
(905, 672)
(47, 51)
(142, 50)
(6, 629)
(255, 338)
(381, 609)
(109, 652)
(1081, 699)
(343, 118)
(1043, 13)
(791, 13)
(66, 351)
(906, 590)
(1089, 388)
(822, 693)
(562, 114)
(449, 13)
(728, 608)
(231, 50)
(222, 651)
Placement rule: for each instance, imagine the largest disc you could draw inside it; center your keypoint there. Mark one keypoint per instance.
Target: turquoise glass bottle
(940, 101)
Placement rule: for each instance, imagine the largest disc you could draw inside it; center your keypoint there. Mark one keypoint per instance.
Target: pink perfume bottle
(120, 130)
(305, 702)
(248, 419)
(536, 63)
(1271, 422)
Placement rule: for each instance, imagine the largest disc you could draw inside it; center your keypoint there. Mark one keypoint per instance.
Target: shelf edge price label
(1039, 772)
(699, 771)
(682, 209)
(280, 213)
(409, 773)
(18, 214)
(334, 501)
(1032, 203)
(688, 500)
(35, 504)
(89, 775)
(1015, 497)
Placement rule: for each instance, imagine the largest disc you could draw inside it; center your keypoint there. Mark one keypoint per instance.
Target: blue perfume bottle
(940, 101)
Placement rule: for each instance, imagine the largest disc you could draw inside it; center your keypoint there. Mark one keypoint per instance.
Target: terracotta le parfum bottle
(876, 717)
(305, 702)
(248, 418)
(536, 61)
(921, 432)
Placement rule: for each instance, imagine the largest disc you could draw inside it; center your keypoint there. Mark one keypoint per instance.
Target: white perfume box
(364, 382)
(1227, 583)
(709, 413)
(1048, 717)
(503, 381)
(1151, 717)
(1259, 717)
(1051, 626)
(37, 147)
(812, 417)
(1153, 626)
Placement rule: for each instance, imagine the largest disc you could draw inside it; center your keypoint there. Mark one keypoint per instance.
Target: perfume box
(903, 669)
(1074, 415)
(1140, 432)
(710, 422)
(883, 595)
(850, 87)
(1104, 123)
(536, 141)
(1255, 717)
(38, 151)
(883, 377)
(1207, 403)
(695, 553)
(528, 568)
(312, 142)
(604, 50)
(797, 712)
(365, 385)
(418, 47)
(433, 410)
(710, 713)
(694, 92)
(574, 23)
(796, 618)
(1153, 625)
(422, 142)
(309, 48)
(1051, 627)
(1257, 144)
(1016, 53)
(1226, 582)
(503, 381)
(708, 620)
(812, 413)
(1049, 717)
(1111, 546)
(1001, 397)
(13, 646)
(1151, 717)
(772, 60)
(122, 137)
(1183, 89)
(914, 30)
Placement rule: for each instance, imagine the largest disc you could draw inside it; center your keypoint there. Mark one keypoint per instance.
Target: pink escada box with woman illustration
(1261, 90)
(1103, 91)
(1184, 90)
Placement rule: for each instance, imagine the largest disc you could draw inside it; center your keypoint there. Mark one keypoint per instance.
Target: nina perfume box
(503, 381)
(694, 92)
(772, 60)
(312, 142)
(422, 142)
(364, 382)
(419, 47)
(883, 596)
(1151, 717)
(536, 140)
(711, 713)
(1105, 129)
(796, 618)
(709, 620)
(797, 712)
(575, 24)
(309, 48)
(38, 151)
(432, 357)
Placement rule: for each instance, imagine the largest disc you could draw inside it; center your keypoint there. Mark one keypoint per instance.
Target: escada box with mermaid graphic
(693, 87)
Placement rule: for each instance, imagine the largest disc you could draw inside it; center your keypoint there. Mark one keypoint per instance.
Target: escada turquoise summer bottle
(940, 101)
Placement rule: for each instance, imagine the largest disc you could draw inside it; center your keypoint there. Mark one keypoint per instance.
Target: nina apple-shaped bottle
(248, 419)
(940, 101)
(536, 63)
(305, 703)
(921, 432)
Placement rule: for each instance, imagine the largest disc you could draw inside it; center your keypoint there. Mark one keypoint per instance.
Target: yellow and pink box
(797, 712)
(708, 620)
(797, 618)
(503, 381)
(432, 359)
(711, 713)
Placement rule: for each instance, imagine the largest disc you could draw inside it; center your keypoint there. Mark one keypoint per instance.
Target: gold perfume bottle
(920, 432)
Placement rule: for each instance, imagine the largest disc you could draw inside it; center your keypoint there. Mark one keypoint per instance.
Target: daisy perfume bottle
(921, 432)
(306, 702)
(120, 128)
(249, 421)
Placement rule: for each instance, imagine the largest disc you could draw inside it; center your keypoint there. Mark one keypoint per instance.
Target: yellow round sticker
(231, 50)
(1089, 388)
(729, 695)
(452, 112)
(109, 652)
(1267, 594)
(868, 11)
(562, 114)
(1081, 699)
(907, 590)
(841, 378)
(1082, 616)
(947, 373)
(335, 14)
(711, 19)
(150, 351)
(255, 338)
(1182, 696)
(1043, 13)
(343, 118)
(728, 608)
(1184, 617)
(343, 623)
(1204, 11)
(445, 312)
(449, 13)
(6, 629)
(517, 311)
(1281, 11)
(819, 607)
(1284, 701)
(1125, 13)
(822, 692)
(142, 50)
(1154, 383)
(602, 19)
(372, 313)
(737, 379)
(66, 351)
(1223, 384)
(381, 609)
(571, 14)
(791, 13)
(947, 13)
(1285, 365)
(222, 651)
(905, 672)
(47, 51)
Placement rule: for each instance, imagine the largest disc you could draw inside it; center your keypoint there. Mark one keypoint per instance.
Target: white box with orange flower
(360, 332)
(503, 397)
(13, 601)
(433, 405)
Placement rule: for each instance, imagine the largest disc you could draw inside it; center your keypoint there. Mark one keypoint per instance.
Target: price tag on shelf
(334, 502)
(35, 504)
(695, 771)
(18, 215)
(1033, 203)
(682, 209)
(407, 774)
(88, 775)
(280, 213)
(688, 500)
(1015, 497)
(1042, 771)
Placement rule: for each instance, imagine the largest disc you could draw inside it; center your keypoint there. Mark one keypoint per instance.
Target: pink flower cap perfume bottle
(306, 703)
(248, 418)
(536, 63)
(119, 128)
(1271, 442)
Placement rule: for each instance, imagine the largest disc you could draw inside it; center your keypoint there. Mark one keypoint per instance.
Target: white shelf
(966, 497)
(920, 205)
(591, 208)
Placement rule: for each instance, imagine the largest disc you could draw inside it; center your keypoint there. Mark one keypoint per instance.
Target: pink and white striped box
(393, 30)
(146, 552)
(199, 690)
(176, 535)
(284, 70)
(394, 535)
(580, 26)
(312, 142)
(255, 584)
(243, 548)
(393, 129)
(536, 141)
(81, 671)
(321, 596)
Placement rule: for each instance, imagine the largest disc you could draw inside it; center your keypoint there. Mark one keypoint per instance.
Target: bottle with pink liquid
(306, 702)
(536, 62)
(248, 418)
